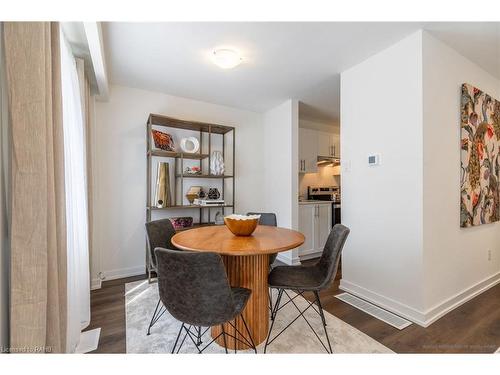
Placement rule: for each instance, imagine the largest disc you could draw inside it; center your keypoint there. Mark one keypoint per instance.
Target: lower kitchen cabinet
(315, 223)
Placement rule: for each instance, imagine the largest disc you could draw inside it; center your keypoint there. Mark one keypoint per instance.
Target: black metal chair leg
(177, 339)
(320, 308)
(249, 334)
(270, 300)
(276, 307)
(235, 333)
(199, 341)
(224, 337)
(153, 317)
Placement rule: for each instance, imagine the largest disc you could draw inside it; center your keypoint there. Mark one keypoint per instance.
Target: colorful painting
(480, 157)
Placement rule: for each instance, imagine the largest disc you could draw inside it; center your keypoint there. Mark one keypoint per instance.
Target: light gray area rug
(141, 299)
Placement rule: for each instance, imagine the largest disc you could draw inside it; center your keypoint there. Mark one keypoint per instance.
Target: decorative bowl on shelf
(242, 225)
(181, 222)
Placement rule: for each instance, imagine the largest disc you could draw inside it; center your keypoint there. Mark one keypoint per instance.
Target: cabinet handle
(333, 147)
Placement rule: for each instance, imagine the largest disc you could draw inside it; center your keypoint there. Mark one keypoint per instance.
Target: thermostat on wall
(373, 160)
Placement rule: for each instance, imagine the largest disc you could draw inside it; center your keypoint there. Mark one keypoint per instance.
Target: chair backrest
(266, 218)
(329, 261)
(159, 233)
(194, 288)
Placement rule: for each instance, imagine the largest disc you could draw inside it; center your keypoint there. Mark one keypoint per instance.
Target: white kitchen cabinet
(308, 150)
(324, 144)
(328, 144)
(335, 141)
(315, 223)
(307, 214)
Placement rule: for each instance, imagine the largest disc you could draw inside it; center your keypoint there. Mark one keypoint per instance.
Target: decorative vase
(202, 194)
(191, 197)
(162, 193)
(217, 163)
(190, 145)
(213, 193)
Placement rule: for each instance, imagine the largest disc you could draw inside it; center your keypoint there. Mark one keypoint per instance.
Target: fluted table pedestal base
(248, 272)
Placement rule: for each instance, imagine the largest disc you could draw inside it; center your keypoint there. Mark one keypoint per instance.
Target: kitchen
(319, 184)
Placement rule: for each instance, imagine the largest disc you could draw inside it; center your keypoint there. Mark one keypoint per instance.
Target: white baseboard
(123, 272)
(289, 257)
(95, 284)
(425, 318)
(443, 308)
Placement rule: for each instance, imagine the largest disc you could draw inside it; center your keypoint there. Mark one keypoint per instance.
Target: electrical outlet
(489, 255)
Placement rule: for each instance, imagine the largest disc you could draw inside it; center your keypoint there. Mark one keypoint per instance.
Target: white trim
(93, 33)
(425, 318)
(95, 284)
(289, 257)
(124, 272)
(458, 299)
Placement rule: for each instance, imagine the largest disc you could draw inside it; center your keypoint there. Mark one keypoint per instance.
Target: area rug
(141, 299)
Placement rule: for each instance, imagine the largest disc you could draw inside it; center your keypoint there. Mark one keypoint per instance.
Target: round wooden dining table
(246, 260)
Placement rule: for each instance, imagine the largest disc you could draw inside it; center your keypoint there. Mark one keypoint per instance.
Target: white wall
(281, 168)
(120, 169)
(381, 112)
(455, 259)
(406, 251)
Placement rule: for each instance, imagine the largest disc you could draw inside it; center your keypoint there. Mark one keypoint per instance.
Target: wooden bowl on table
(242, 225)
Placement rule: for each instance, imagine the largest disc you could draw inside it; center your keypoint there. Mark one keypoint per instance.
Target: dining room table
(246, 260)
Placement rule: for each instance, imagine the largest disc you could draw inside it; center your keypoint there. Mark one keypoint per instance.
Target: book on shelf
(209, 202)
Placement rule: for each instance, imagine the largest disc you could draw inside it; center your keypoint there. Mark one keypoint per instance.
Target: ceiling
(281, 60)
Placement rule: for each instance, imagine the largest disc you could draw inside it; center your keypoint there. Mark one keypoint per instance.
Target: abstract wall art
(480, 157)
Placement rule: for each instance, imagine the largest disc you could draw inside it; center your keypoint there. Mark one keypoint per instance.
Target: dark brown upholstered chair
(195, 290)
(311, 278)
(159, 234)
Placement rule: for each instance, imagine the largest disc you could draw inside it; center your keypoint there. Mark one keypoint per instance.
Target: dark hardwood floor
(471, 328)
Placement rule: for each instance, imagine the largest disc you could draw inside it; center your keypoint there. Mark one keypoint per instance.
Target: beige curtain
(38, 234)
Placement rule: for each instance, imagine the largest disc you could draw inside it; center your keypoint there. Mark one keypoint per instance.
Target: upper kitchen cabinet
(328, 144)
(335, 145)
(308, 150)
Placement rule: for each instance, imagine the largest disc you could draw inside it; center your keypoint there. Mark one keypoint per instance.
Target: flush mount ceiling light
(226, 58)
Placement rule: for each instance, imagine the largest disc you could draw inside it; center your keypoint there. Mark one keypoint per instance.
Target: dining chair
(195, 290)
(267, 218)
(159, 234)
(310, 278)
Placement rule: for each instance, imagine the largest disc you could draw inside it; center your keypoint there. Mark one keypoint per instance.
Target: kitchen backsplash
(324, 177)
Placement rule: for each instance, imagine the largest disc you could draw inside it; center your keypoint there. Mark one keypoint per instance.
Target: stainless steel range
(327, 193)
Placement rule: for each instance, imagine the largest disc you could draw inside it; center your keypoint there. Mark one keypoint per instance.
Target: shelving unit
(206, 131)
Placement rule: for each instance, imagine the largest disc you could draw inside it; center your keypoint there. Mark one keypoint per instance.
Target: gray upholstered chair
(267, 218)
(311, 278)
(195, 290)
(159, 234)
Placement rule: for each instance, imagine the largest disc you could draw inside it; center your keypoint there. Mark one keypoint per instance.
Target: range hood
(328, 161)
